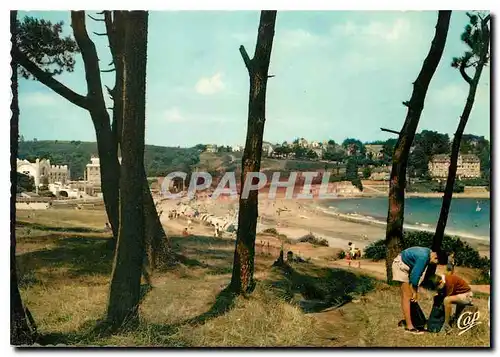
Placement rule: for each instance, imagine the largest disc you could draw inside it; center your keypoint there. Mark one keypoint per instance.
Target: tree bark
(20, 332)
(258, 68)
(395, 215)
(157, 244)
(455, 150)
(127, 268)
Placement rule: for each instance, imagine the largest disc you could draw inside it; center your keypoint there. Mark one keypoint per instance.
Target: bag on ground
(417, 316)
(436, 317)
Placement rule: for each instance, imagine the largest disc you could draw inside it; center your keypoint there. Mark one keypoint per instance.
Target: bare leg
(406, 294)
(448, 301)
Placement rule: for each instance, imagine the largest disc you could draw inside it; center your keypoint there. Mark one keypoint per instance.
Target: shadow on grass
(80, 256)
(320, 288)
(95, 332)
(43, 227)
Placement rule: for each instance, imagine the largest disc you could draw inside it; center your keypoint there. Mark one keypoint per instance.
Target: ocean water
(463, 219)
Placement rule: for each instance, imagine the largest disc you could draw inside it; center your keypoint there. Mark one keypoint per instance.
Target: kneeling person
(456, 291)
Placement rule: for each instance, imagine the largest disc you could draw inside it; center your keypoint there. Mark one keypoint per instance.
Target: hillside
(159, 160)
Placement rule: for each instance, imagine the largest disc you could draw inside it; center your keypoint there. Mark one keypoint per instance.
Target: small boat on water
(478, 209)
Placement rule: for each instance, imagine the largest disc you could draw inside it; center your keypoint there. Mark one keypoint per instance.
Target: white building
(267, 148)
(237, 148)
(42, 171)
(211, 148)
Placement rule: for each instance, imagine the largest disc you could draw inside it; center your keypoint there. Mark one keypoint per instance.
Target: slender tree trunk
(455, 151)
(452, 170)
(110, 170)
(126, 278)
(258, 68)
(20, 332)
(395, 216)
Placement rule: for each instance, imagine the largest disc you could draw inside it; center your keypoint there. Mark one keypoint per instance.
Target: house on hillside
(468, 166)
(211, 148)
(303, 143)
(267, 148)
(382, 173)
(375, 151)
(319, 152)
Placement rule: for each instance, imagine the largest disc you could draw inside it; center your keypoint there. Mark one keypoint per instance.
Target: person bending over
(409, 268)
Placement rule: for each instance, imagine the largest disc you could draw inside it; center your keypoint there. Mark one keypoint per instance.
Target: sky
(338, 74)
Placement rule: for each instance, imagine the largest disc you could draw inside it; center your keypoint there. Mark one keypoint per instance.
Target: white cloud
(39, 99)
(210, 85)
(373, 31)
(173, 115)
(298, 38)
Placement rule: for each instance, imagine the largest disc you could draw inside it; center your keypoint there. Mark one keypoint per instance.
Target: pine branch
(48, 80)
(464, 74)
(246, 58)
(107, 70)
(100, 34)
(95, 19)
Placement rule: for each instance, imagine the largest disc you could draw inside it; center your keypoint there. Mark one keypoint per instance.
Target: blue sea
(465, 217)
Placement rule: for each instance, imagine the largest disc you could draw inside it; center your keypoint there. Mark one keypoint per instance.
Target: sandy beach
(295, 218)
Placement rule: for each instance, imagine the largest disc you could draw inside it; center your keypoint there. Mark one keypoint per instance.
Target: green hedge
(465, 255)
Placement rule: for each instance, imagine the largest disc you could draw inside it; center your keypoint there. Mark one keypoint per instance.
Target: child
(456, 291)
(409, 268)
(450, 267)
(348, 254)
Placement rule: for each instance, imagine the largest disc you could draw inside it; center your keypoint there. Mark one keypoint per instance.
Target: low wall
(31, 205)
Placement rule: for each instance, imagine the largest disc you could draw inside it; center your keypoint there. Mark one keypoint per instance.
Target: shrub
(465, 255)
(341, 254)
(375, 250)
(311, 238)
(272, 231)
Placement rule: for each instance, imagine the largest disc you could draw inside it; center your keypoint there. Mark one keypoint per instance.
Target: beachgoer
(456, 291)
(185, 233)
(348, 254)
(409, 268)
(450, 267)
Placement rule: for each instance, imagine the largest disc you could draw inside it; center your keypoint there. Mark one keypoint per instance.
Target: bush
(341, 254)
(376, 250)
(310, 238)
(465, 255)
(271, 231)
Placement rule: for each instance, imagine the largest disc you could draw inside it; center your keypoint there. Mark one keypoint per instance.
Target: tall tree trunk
(126, 277)
(455, 150)
(157, 243)
(258, 68)
(20, 332)
(395, 215)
